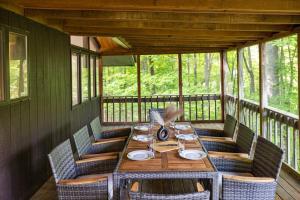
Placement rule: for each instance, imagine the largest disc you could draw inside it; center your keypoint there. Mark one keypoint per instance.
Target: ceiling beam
(223, 18)
(234, 6)
(170, 25)
(151, 32)
(162, 50)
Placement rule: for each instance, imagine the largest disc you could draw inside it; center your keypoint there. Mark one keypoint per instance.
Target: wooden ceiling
(169, 26)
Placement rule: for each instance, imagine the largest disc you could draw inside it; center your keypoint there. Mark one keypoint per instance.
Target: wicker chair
(168, 189)
(99, 134)
(229, 129)
(75, 180)
(260, 181)
(242, 146)
(87, 149)
(161, 111)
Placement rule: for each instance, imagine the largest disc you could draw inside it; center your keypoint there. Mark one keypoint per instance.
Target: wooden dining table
(165, 165)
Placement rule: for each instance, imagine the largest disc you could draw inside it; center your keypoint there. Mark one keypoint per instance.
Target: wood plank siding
(30, 128)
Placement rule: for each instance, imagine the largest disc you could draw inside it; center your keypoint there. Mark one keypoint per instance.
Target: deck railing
(121, 109)
(280, 127)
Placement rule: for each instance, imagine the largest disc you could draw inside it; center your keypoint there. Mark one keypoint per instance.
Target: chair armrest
(99, 158)
(86, 156)
(117, 130)
(110, 140)
(217, 139)
(231, 163)
(120, 132)
(229, 155)
(209, 132)
(82, 180)
(249, 179)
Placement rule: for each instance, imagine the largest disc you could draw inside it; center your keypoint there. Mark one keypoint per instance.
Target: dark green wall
(29, 129)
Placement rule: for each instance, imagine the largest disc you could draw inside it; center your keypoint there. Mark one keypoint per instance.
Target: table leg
(116, 186)
(215, 187)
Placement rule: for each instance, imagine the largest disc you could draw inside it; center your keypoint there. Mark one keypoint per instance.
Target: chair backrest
(96, 128)
(83, 141)
(267, 159)
(245, 139)
(62, 161)
(229, 126)
(161, 111)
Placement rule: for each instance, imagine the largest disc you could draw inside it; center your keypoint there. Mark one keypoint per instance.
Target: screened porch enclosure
(85, 87)
(258, 84)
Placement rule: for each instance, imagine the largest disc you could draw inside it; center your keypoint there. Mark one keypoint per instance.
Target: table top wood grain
(167, 161)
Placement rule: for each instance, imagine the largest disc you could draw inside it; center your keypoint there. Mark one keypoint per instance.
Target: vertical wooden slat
(139, 87)
(262, 95)
(181, 106)
(100, 77)
(239, 59)
(208, 107)
(222, 85)
(287, 144)
(125, 102)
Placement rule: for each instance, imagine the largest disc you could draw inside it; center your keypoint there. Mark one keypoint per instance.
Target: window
(201, 73)
(18, 71)
(281, 73)
(92, 73)
(159, 75)
(2, 91)
(84, 78)
(249, 73)
(97, 75)
(119, 81)
(75, 79)
(230, 67)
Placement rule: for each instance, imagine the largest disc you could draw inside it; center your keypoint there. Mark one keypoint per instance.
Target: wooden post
(262, 95)
(100, 79)
(222, 85)
(139, 88)
(180, 85)
(238, 83)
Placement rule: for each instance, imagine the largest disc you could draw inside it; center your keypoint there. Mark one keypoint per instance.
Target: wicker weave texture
(229, 126)
(62, 162)
(95, 191)
(237, 190)
(168, 189)
(267, 159)
(83, 142)
(245, 139)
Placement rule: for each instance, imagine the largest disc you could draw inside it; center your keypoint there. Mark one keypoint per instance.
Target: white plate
(142, 138)
(140, 155)
(188, 137)
(142, 128)
(182, 127)
(192, 154)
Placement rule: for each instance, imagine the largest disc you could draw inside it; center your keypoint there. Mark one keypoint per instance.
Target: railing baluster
(120, 110)
(151, 101)
(196, 107)
(287, 144)
(208, 107)
(107, 111)
(202, 107)
(131, 109)
(215, 99)
(125, 99)
(145, 109)
(113, 103)
(190, 109)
